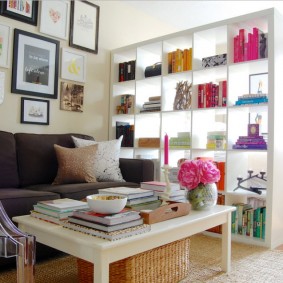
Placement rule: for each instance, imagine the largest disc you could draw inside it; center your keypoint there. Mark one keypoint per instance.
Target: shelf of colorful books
(177, 54)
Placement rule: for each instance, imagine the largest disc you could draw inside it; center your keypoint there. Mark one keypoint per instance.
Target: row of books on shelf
(248, 220)
(126, 105)
(127, 71)
(212, 94)
(126, 130)
(250, 45)
(180, 60)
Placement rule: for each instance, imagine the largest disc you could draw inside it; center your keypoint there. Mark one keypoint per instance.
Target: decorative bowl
(106, 204)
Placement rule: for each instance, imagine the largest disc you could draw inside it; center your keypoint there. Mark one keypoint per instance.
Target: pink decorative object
(166, 150)
(194, 172)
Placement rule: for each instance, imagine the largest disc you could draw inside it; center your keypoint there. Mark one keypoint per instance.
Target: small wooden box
(149, 142)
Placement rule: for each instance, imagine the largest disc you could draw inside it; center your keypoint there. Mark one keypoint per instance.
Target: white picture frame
(73, 65)
(5, 44)
(55, 18)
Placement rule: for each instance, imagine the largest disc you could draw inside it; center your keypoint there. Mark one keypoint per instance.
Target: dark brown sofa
(28, 166)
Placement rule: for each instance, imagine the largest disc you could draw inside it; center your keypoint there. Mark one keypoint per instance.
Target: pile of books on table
(57, 210)
(107, 226)
(137, 198)
(158, 188)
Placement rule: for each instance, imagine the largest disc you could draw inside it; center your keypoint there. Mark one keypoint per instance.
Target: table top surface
(169, 226)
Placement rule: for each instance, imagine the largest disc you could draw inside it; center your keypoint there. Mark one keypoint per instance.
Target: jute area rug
(249, 264)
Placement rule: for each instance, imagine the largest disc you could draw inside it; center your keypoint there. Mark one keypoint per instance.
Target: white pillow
(106, 158)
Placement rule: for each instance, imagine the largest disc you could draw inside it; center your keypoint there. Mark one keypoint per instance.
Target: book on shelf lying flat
(53, 213)
(158, 186)
(64, 204)
(103, 227)
(45, 217)
(108, 219)
(130, 193)
(111, 236)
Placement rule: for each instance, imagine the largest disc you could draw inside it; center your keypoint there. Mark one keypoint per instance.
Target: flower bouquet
(199, 177)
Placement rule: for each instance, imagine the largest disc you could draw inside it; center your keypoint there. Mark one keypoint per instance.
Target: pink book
(242, 40)
(224, 93)
(236, 49)
(255, 41)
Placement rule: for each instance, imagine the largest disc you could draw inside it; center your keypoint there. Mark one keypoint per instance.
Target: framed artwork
(84, 26)
(72, 97)
(24, 11)
(35, 65)
(55, 17)
(34, 111)
(5, 39)
(73, 65)
(259, 83)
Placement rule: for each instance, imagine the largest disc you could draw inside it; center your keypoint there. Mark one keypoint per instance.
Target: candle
(166, 149)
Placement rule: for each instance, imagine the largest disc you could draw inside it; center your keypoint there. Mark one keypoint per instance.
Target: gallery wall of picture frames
(35, 65)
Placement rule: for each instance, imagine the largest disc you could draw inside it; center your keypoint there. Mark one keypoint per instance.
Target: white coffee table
(102, 252)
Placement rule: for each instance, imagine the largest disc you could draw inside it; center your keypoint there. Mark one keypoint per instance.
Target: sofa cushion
(106, 159)
(20, 201)
(75, 165)
(81, 190)
(8, 161)
(37, 160)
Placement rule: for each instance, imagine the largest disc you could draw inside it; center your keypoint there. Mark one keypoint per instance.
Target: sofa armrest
(137, 170)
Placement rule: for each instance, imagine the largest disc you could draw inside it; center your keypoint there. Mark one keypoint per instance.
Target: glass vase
(203, 196)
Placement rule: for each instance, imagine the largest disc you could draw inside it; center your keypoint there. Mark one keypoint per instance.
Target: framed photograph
(259, 83)
(84, 26)
(35, 65)
(24, 11)
(5, 40)
(55, 17)
(34, 111)
(73, 65)
(72, 97)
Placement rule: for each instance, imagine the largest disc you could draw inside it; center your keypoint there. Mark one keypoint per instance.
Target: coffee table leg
(101, 269)
(226, 245)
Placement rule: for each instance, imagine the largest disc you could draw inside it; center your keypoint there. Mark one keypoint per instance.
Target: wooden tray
(165, 212)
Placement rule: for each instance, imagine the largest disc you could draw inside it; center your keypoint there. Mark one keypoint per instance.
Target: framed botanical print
(84, 26)
(35, 65)
(54, 18)
(73, 65)
(24, 11)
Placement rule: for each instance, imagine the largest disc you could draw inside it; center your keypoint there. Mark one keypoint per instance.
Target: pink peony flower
(194, 172)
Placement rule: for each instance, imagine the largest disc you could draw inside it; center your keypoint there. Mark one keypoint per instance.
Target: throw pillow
(75, 165)
(106, 158)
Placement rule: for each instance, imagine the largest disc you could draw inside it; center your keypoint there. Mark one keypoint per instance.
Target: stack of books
(177, 194)
(57, 210)
(246, 99)
(137, 198)
(107, 226)
(152, 105)
(183, 140)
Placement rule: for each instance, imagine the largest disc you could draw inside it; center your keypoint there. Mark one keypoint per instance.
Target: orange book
(170, 62)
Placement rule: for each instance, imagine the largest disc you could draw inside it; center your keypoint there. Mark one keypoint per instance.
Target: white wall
(120, 24)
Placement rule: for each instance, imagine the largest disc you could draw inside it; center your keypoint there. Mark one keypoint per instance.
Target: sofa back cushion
(8, 161)
(37, 159)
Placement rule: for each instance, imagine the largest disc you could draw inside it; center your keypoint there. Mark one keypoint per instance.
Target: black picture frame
(84, 21)
(19, 16)
(34, 111)
(35, 65)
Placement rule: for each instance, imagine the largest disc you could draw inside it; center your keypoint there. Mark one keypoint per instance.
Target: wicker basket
(167, 264)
